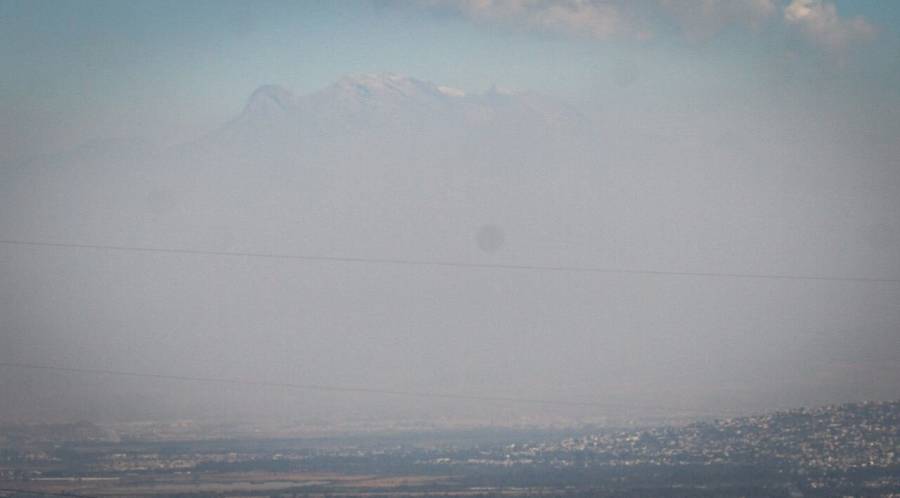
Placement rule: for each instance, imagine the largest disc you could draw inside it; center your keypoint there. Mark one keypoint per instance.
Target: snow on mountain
(387, 102)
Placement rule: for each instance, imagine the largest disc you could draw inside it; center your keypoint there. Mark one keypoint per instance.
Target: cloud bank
(819, 21)
(820, 24)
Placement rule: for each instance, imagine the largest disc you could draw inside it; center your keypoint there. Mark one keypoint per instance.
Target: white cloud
(594, 18)
(817, 20)
(821, 24)
(603, 19)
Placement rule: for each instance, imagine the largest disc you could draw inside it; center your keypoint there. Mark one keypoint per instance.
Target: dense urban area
(846, 450)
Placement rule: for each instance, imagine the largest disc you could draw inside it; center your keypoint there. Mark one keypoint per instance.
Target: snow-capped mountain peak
(383, 103)
(386, 86)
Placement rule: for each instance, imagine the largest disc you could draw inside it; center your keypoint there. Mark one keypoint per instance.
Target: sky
(702, 150)
(165, 71)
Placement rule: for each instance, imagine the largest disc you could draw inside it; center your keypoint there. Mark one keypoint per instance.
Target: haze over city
(474, 212)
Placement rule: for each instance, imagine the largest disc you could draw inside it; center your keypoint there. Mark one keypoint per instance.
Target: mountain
(392, 109)
(335, 147)
(396, 96)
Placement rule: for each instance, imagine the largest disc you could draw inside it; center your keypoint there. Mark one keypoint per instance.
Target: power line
(449, 264)
(43, 493)
(348, 389)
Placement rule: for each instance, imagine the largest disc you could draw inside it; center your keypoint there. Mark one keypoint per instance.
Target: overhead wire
(448, 263)
(351, 389)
